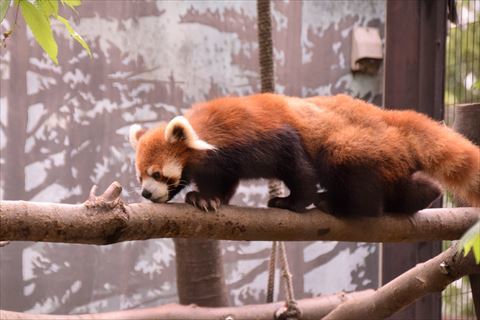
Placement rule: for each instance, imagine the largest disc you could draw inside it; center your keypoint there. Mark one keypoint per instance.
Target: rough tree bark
(431, 276)
(106, 219)
(200, 274)
(313, 309)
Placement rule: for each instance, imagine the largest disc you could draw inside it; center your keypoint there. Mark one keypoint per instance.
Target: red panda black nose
(146, 194)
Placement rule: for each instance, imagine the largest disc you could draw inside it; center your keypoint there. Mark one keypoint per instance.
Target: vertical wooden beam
(467, 118)
(414, 79)
(475, 285)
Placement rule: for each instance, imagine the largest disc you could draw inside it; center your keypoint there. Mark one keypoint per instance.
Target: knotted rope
(265, 46)
(267, 78)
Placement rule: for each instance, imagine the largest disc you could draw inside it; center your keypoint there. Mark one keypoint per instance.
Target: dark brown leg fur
(412, 195)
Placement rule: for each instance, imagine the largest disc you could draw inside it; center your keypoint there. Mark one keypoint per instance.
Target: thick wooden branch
(431, 276)
(312, 308)
(106, 219)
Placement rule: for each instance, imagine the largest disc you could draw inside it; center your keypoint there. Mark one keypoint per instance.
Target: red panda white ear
(179, 129)
(135, 133)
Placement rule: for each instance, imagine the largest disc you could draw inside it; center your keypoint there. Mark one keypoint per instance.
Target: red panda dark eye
(156, 175)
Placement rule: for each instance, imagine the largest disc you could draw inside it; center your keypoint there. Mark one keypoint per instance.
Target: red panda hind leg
(299, 175)
(352, 189)
(413, 194)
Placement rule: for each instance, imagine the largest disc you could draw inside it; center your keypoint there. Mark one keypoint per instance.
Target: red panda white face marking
(157, 186)
(161, 156)
(154, 190)
(172, 170)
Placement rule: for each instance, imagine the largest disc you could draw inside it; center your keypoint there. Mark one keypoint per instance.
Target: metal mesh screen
(457, 302)
(462, 85)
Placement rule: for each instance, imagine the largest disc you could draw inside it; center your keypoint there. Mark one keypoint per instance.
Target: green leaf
(72, 3)
(4, 5)
(40, 27)
(471, 241)
(74, 34)
(48, 7)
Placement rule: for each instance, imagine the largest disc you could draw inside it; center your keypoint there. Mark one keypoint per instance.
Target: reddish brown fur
(152, 149)
(351, 131)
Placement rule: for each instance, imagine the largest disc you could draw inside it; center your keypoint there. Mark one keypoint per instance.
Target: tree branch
(312, 308)
(431, 276)
(108, 220)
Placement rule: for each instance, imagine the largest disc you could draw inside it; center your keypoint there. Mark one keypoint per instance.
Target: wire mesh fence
(457, 302)
(462, 83)
(462, 86)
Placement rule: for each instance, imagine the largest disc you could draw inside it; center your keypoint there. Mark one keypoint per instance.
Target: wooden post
(414, 79)
(467, 119)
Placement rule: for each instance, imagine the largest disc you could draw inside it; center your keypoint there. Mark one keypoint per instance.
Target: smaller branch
(431, 276)
(113, 192)
(109, 199)
(93, 191)
(312, 308)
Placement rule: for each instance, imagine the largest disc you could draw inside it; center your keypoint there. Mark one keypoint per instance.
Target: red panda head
(162, 155)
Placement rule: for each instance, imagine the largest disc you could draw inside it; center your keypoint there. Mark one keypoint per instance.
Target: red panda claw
(202, 204)
(205, 204)
(215, 204)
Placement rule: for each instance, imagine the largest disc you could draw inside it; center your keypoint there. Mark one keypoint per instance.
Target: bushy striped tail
(442, 153)
(455, 162)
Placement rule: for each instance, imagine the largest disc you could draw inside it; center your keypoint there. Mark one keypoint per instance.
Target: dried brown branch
(431, 276)
(106, 219)
(312, 308)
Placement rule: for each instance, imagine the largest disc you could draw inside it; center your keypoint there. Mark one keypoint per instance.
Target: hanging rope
(291, 311)
(265, 44)
(267, 78)
(271, 272)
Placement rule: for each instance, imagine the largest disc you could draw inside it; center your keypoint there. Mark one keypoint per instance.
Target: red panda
(368, 159)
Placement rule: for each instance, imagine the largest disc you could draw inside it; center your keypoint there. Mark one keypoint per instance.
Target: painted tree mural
(63, 129)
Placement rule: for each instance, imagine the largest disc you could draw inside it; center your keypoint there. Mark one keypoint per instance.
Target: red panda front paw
(198, 201)
(286, 203)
